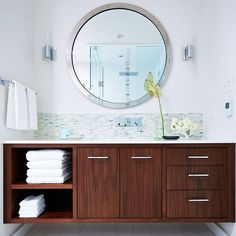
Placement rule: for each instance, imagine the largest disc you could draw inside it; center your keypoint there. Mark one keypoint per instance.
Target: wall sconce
(49, 53)
(187, 53)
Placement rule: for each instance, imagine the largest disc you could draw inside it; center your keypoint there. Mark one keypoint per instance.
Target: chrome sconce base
(49, 53)
(188, 53)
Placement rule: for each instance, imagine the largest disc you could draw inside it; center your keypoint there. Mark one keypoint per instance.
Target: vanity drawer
(196, 156)
(196, 177)
(196, 204)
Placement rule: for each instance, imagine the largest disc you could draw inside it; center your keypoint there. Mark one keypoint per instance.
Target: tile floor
(120, 230)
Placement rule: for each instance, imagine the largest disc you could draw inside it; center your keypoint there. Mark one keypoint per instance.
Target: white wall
(54, 21)
(218, 65)
(16, 62)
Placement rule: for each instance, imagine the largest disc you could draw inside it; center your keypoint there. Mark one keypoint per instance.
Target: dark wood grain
(178, 179)
(140, 183)
(164, 182)
(7, 205)
(24, 185)
(98, 183)
(178, 205)
(179, 156)
(231, 181)
(74, 181)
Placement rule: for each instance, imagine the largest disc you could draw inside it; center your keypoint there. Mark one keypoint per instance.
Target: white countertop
(115, 141)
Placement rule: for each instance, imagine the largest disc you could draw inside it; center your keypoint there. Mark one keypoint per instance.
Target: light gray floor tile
(124, 229)
(106, 229)
(141, 229)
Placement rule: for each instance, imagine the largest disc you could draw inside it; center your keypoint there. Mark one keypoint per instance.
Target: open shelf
(58, 199)
(19, 163)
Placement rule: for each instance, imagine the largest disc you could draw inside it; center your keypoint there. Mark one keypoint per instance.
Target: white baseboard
(23, 230)
(217, 230)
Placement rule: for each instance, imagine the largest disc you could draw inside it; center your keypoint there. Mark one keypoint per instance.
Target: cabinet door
(98, 183)
(140, 183)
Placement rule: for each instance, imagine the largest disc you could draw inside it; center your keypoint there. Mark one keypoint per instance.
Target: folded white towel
(33, 210)
(31, 214)
(32, 108)
(49, 164)
(47, 172)
(33, 206)
(47, 154)
(48, 180)
(32, 200)
(17, 115)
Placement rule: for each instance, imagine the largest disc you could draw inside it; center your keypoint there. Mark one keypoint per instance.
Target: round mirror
(112, 50)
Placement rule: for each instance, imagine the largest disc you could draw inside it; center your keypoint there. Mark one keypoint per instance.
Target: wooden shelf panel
(24, 185)
(48, 216)
(117, 220)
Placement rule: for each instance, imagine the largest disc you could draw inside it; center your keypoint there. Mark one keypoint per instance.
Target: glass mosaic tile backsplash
(102, 126)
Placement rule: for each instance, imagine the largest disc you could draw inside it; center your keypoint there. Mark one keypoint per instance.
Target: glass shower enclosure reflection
(118, 71)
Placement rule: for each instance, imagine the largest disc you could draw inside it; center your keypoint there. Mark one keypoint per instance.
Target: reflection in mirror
(125, 68)
(112, 54)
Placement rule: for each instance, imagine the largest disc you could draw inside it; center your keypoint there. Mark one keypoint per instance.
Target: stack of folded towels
(48, 166)
(32, 206)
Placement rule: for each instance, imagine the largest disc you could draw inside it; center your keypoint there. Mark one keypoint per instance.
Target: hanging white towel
(32, 108)
(11, 110)
(17, 115)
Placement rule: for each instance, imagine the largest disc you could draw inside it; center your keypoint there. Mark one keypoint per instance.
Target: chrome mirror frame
(83, 21)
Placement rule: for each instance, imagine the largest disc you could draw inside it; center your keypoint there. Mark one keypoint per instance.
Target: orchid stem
(162, 118)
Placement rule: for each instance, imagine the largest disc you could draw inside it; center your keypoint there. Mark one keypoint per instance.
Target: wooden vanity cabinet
(129, 183)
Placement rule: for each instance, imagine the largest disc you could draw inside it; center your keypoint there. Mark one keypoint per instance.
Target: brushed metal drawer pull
(198, 175)
(198, 157)
(147, 157)
(199, 200)
(98, 157)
